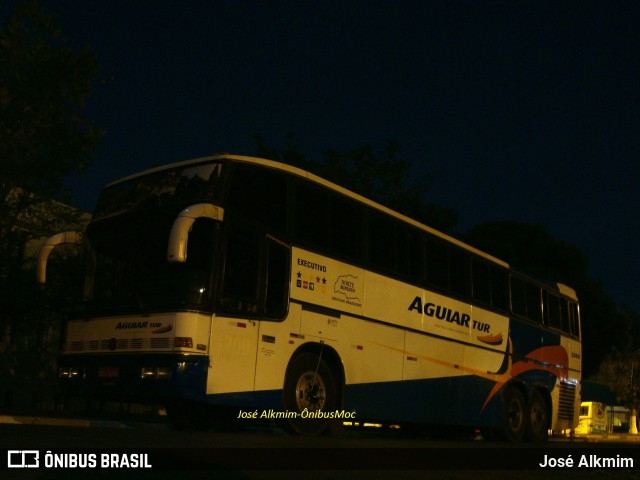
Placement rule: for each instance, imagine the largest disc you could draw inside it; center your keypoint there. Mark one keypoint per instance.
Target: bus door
(234, 329)
(254, 289)
(232, 355)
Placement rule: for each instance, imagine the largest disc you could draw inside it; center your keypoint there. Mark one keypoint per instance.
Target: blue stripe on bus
(449, 400)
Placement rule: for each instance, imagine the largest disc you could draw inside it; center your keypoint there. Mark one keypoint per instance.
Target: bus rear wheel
(309, 395)
(514, 415)
(537, 418)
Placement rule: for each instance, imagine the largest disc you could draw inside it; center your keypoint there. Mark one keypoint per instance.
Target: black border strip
(509, 457)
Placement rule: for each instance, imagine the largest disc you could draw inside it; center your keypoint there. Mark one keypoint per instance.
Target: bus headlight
(68, 372)
(185, 342)
(156, 373)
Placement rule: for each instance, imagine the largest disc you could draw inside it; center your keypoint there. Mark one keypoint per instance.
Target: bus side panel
(276, 343)
(369, 351)
(574, 350)
(440, 401)
(325, 282)
(233, 355)
(428, 357)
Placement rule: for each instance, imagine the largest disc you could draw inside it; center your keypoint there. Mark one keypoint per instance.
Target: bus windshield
(127, 271)
(176, 186)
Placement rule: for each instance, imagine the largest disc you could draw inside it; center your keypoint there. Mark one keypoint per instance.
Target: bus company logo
(452, 316)
(346, 285)
(23, 459)
(127, 325)
(157, 326)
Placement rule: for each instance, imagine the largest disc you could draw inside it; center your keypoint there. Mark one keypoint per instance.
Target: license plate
(108, 372)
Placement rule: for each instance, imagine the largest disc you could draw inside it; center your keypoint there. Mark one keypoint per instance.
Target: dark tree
(383, 176)
(44, 137)
(44, 84)
(535, 251)
(531, 248)
(622, 373)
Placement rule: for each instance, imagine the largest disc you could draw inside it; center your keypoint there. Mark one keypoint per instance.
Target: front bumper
(134, 377)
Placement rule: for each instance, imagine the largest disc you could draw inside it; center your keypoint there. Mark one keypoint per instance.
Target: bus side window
(408, 253)
(534, 303)
(311, 215)
(277, 282)
(552, 311)
(437, 264)
(458, 272)
(346, 227)
(564, 315)
(499, 289)
(574, 320)
(259, 194)
(481, 275)
(416, 260)
(241, 270)
(381, 242)
(518, 297)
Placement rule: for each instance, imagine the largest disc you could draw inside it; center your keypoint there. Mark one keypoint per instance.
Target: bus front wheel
(309, 395)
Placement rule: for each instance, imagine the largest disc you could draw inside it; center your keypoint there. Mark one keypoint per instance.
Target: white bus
(253, 285)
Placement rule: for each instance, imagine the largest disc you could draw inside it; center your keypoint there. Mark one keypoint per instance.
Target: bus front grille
(120, 344)
(566, 404)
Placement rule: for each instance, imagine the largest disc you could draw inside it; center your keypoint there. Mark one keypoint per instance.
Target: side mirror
(179, 236)
(70, 237)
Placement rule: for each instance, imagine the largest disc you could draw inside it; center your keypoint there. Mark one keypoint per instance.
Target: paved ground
(116, 430)
(161, 423)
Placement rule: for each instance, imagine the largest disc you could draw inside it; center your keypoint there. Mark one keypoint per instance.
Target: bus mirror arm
(179, 236)
(70, 237)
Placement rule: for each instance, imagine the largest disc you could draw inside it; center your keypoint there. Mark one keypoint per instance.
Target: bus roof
(563, 289)
(567, 291)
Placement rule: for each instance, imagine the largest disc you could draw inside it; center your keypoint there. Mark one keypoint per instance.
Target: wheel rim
(310, 392)
(538, 416)
(515, 413)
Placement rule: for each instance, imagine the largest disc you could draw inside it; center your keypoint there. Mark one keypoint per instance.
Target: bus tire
(537, 418)
(514, 415)
(309, 395)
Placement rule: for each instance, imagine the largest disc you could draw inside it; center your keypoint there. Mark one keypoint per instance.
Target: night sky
(526, 110)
